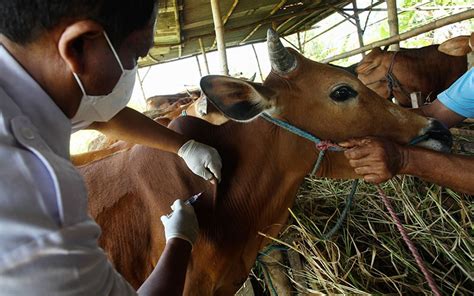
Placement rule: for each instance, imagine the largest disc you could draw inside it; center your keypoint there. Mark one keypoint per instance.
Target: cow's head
(372, 70)
(323, 100)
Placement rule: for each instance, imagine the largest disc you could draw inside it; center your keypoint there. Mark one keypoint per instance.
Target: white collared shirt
(48, 243)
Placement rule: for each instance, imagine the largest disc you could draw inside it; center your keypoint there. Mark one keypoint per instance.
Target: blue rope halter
(299, 132)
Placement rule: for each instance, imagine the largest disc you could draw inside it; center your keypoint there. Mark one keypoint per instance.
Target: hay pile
(367, 255)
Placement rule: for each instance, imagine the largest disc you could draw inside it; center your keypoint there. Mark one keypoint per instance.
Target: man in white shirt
(66, 64)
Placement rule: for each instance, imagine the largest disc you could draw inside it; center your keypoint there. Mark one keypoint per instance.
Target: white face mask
(103, 108)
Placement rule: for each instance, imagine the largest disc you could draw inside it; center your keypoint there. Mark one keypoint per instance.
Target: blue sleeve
(459, 97)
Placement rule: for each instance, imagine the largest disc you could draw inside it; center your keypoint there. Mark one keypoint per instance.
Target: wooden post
(203, 50)
(199, 66)
(258, 63)
(219, 28)
(360, 33)
(393, 21)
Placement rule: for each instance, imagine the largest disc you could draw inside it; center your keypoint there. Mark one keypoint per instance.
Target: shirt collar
(52, 124)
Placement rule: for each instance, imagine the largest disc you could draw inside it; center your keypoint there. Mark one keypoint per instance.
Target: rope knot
(328, 145)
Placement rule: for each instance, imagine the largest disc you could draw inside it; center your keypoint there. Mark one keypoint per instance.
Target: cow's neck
(427, 68)
(263, 168)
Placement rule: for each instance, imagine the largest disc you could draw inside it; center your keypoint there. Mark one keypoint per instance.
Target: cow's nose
(438, 137)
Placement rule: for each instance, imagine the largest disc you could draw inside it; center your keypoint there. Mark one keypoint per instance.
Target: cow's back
(128, 193)
(428, 69)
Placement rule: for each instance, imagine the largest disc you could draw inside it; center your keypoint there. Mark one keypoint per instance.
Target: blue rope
(345, 211)
(266, 252)
(316, 167)
(418, 139)
(299, 132)
(295, 130)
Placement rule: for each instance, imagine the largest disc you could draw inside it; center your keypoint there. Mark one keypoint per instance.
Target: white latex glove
(201, 159)
(181, 223)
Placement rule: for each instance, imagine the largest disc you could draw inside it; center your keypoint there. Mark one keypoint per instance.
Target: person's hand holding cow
(201, 159)
(376, 159)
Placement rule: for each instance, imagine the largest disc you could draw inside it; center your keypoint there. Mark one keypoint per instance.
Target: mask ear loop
(113, 50)
(80, 84)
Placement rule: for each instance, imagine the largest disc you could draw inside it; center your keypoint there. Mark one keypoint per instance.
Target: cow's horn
(283, 62)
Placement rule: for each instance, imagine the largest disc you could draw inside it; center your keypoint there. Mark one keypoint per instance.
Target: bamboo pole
(140, 81)
(300, 44)
(226, 18)
(412, 33)
(219, 28)
(203, 51)
(458, 7)
(360, 33)
(199, 66)
(258, 62)
(393, 21)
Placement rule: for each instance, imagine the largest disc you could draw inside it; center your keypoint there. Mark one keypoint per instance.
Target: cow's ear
(457, 46)
(239, 100)
(370, 62)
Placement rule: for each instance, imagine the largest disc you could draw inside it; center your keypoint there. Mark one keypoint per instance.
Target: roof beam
(274, 10)
(208, 22)
(269, 20)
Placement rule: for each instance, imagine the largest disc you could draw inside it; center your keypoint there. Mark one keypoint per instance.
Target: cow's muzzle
(438, 137)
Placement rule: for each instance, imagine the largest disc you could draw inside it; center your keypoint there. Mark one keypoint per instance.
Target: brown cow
(164, 102)
(399, 73)
(263, 168)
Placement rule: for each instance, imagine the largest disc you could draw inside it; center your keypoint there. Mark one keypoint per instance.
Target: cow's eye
(343, 93)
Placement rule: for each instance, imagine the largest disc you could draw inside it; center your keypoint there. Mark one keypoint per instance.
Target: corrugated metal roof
(181, 23)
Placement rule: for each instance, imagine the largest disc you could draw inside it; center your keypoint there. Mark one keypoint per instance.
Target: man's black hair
(22, 21)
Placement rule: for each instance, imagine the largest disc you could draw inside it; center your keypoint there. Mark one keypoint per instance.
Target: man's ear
(239, 100)
(457, 46)
(71, 42)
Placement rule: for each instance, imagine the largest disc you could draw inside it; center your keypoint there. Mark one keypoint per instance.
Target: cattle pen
(366, 255)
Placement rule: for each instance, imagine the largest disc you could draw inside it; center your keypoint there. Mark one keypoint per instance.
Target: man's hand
(201, 159)
(376, 159)
(181, 223)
